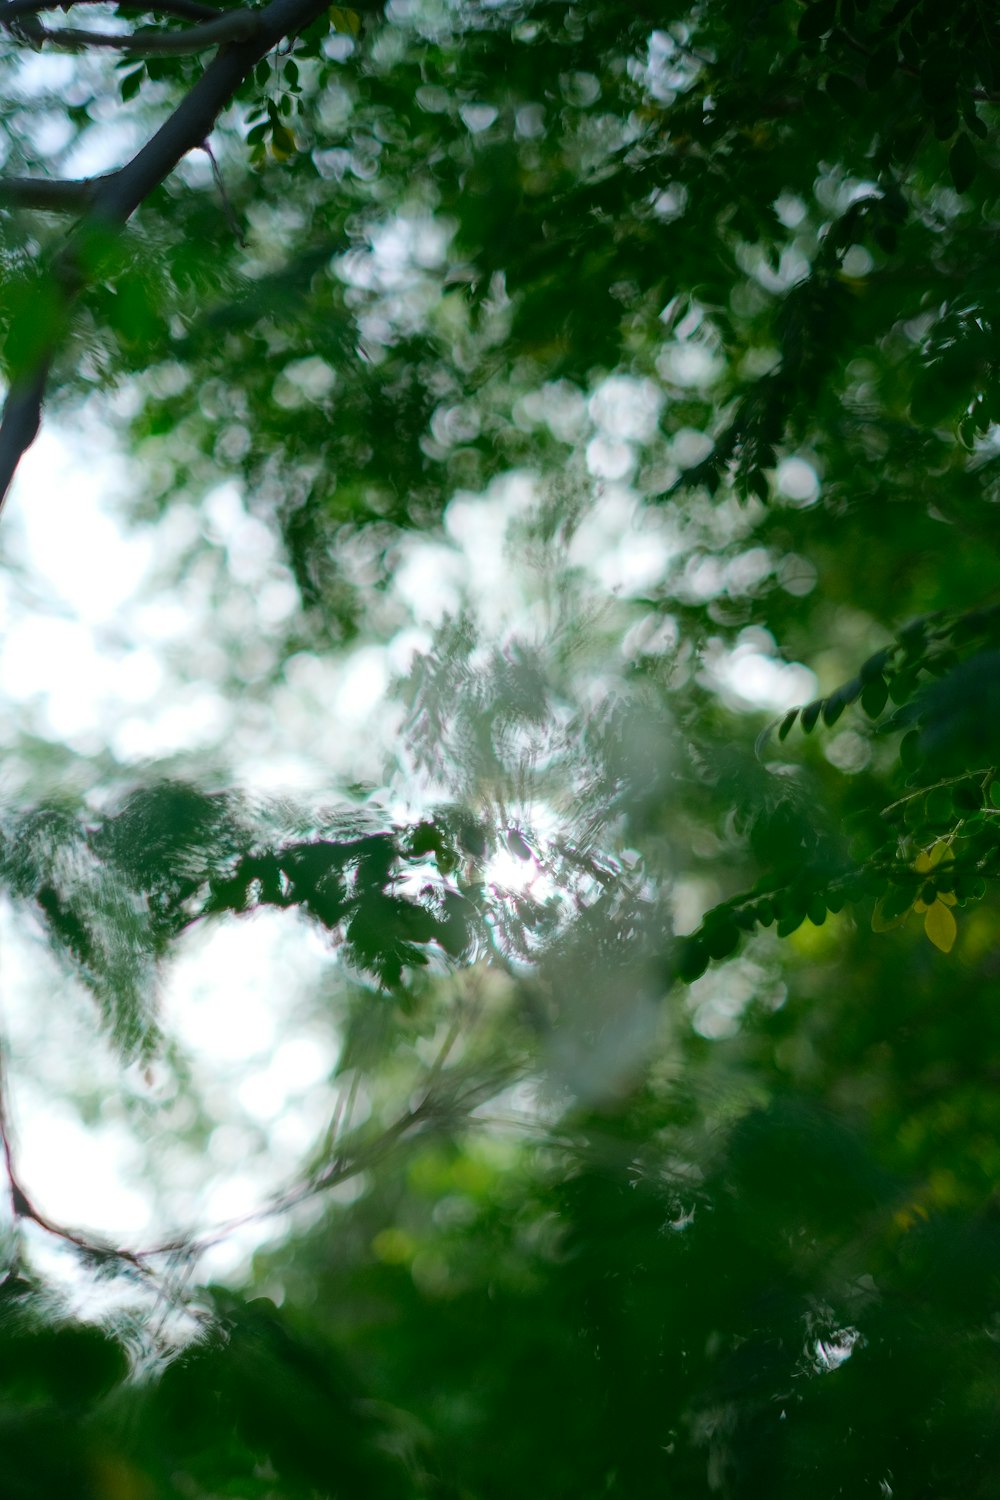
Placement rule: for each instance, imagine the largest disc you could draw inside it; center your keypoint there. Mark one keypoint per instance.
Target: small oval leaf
(881, 66)
(883, 920)
(810, 714)
(787, 723)
(820, 18)
(941, 927)
(692, 960)
(875, 665)
(910, 755)
(833, 708)
(962, 164)
(720, 939)
(875, 697)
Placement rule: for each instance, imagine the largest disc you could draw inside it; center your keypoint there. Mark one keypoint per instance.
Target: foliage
(661, 1145)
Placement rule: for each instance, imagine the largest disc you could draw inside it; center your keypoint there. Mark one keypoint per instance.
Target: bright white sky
(91, 657)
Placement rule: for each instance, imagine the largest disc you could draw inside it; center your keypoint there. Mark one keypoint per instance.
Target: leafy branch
(191, 10)
(234, 26)
(926, 649)
(942, 839)
(119, 195)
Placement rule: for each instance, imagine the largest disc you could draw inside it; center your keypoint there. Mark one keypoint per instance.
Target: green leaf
(833, 708)
(874, 697)
(820, 18)
(881, 66)
(967, 798)
(786, 723)
(910, 754)
(902, 687)
(892, 909)
(962, 163)
(720, 937)
(875, 665)
(897, 901)
(692, 959)
(132, 82)
(975, 124)
(759, 485)
(940, 807)
(844, 92)
(810, 715)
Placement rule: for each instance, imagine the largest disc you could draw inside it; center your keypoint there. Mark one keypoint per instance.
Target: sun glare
(509, 872)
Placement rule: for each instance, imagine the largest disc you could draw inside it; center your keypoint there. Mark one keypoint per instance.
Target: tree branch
(190, 10)
(118, 196)
(982, 96)
(61, 196)
(234, 26)
(22, 416)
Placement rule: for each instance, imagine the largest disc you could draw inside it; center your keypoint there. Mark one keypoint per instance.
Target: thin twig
(22, 1206)
(984, 772)
(320, 1182)
(234, 224)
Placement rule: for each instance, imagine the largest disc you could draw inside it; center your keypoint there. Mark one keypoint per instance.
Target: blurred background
(447, 487)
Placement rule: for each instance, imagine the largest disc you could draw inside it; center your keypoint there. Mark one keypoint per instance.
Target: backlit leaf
(940, 926)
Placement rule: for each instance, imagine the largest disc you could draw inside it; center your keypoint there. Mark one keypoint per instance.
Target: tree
(664, 1138)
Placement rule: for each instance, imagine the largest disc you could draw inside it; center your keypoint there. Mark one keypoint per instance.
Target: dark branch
(190, 10)
(194, 118)
(21, 1204)
(119, 195)
(235, 26)
(34, 192)
(982, 96)
(22, 415)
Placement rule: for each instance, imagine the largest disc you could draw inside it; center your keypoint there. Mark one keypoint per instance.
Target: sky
(95, 654)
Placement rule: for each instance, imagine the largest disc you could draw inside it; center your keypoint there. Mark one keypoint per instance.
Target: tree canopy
(620, 383)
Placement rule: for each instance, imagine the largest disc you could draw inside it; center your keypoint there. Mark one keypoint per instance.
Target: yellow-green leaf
(928, 858)
(940, 927)
(282, 142)
(344, 20)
